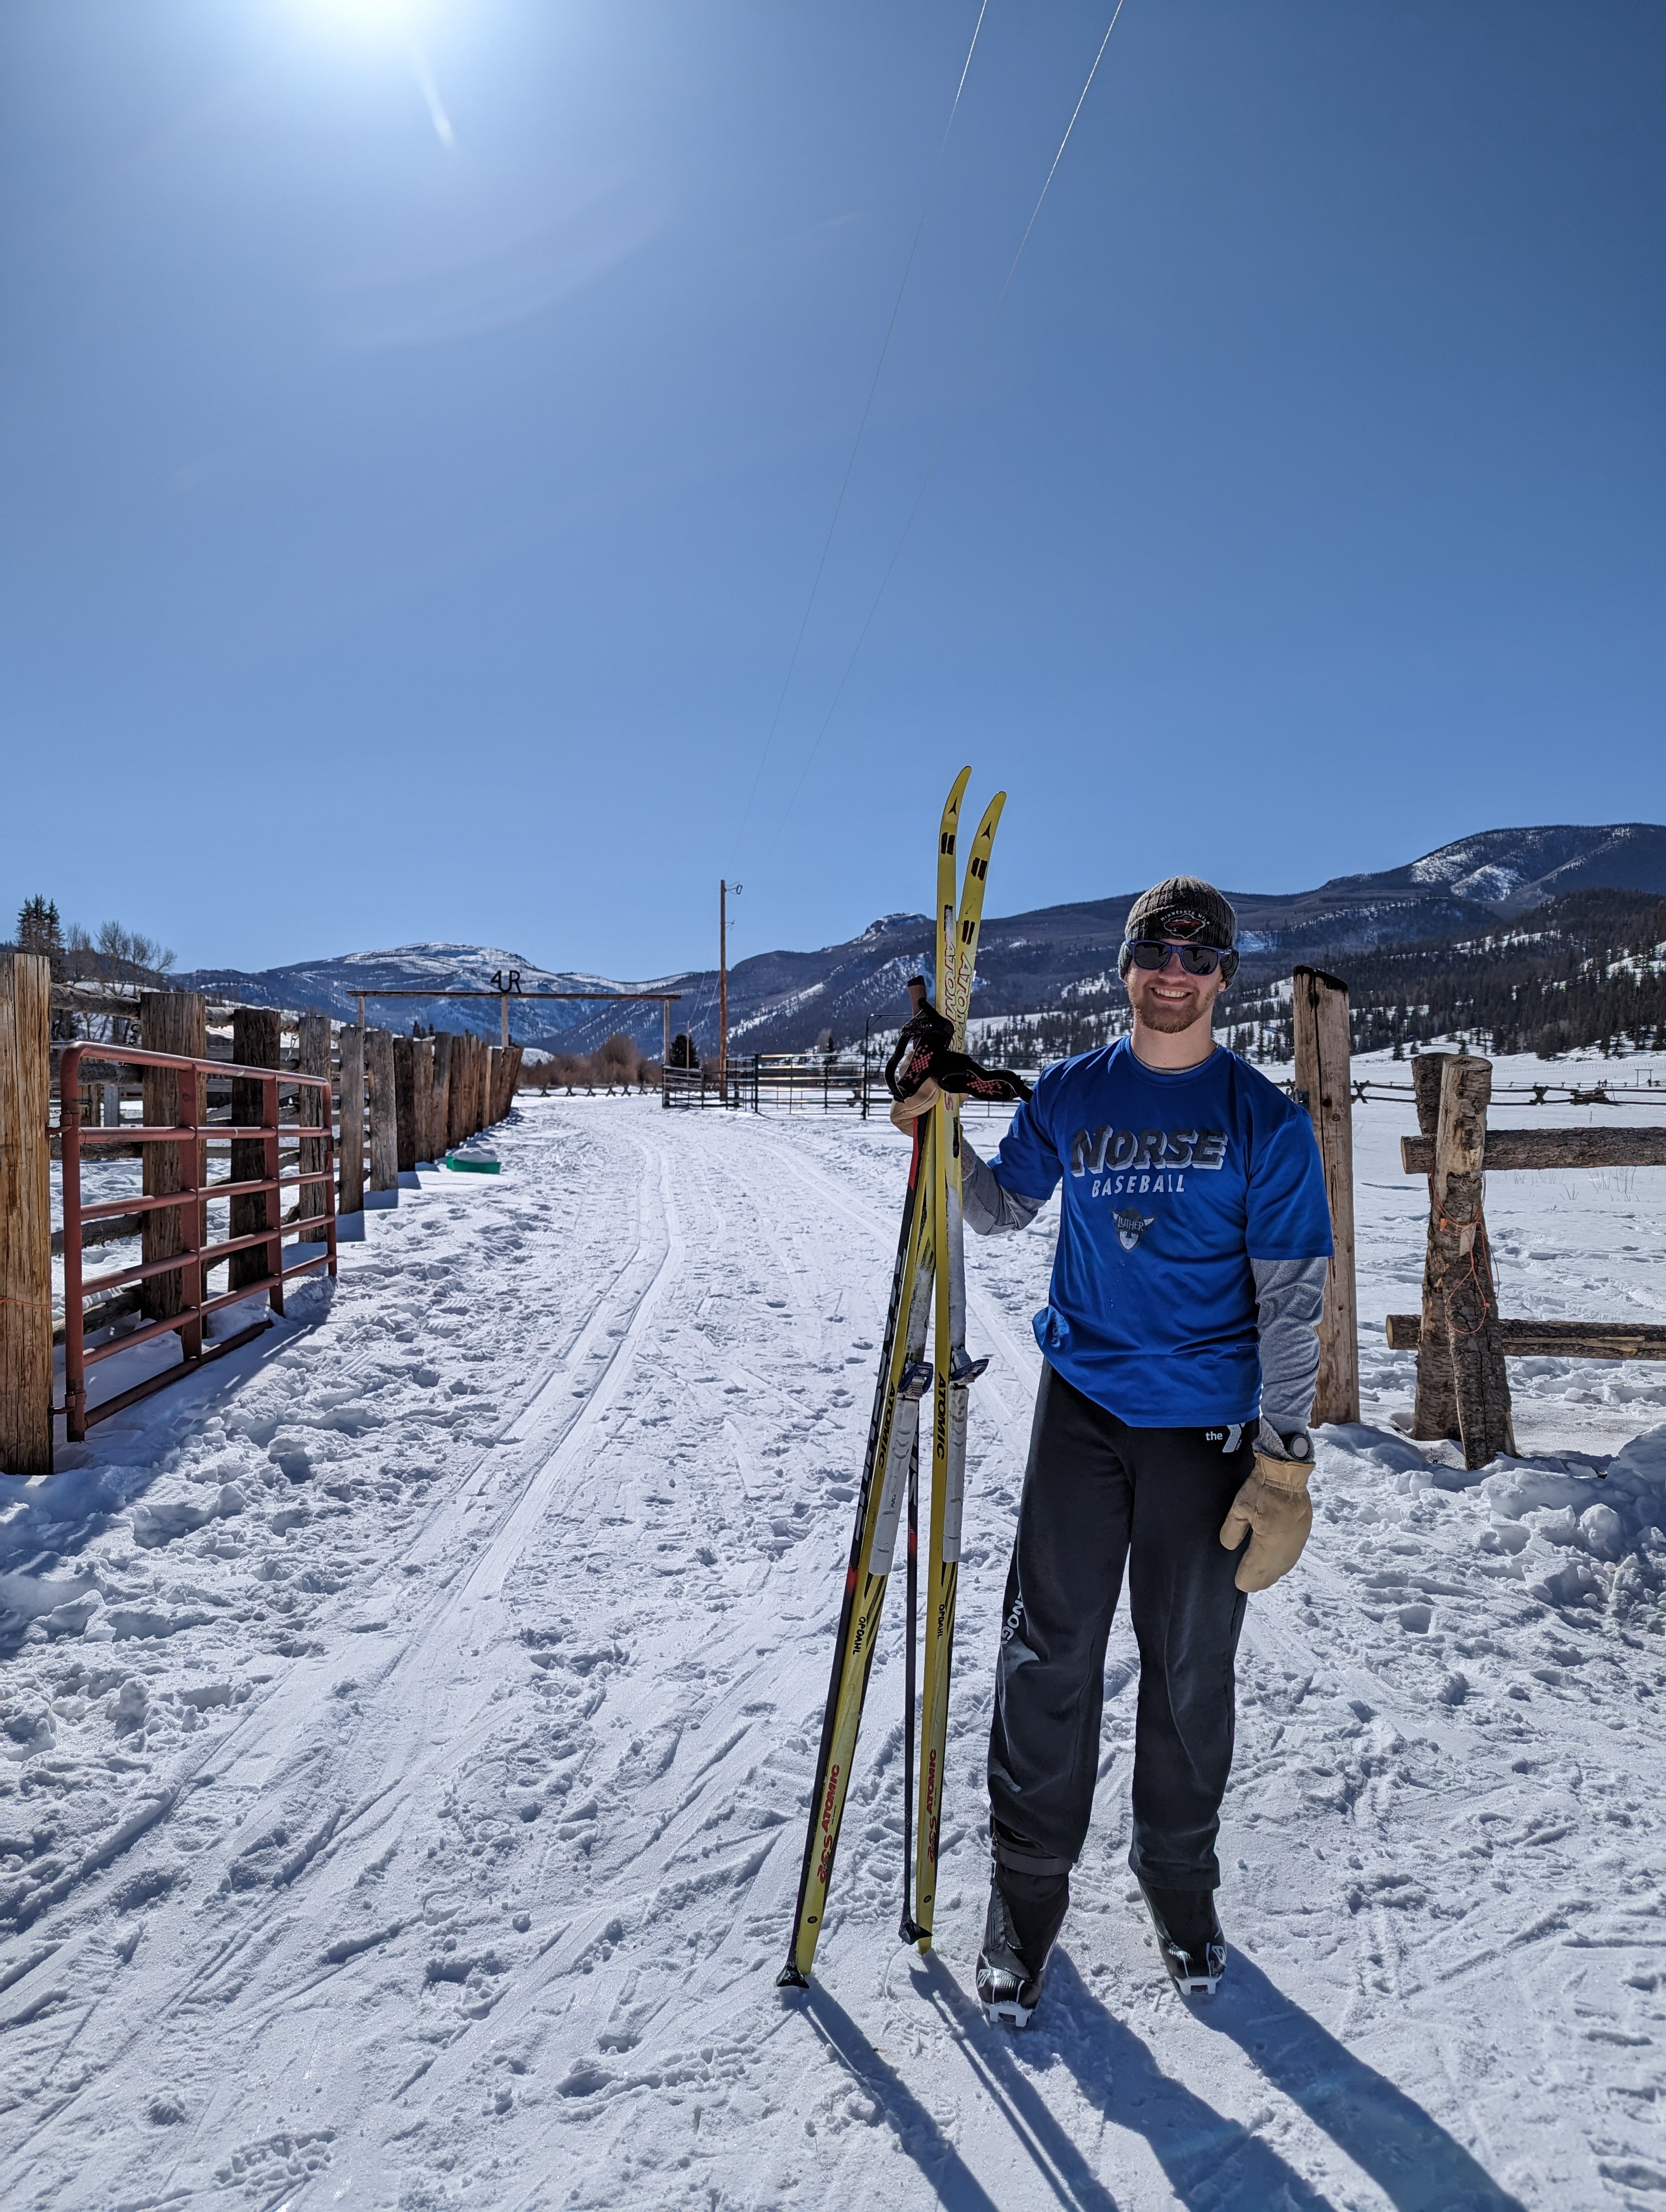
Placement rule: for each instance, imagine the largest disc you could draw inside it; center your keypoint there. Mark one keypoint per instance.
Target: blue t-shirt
(1172, 1183)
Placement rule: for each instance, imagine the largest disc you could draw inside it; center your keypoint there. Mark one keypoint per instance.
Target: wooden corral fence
(787, 1083)
(175, 1287)
(379, 1105)
(1460, 1339)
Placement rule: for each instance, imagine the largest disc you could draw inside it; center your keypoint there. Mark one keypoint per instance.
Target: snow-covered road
(410, 1726)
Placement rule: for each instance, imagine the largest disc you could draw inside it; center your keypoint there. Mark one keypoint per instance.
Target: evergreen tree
(38, 929)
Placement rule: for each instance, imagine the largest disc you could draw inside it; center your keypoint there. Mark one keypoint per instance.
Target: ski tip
(789, 1978)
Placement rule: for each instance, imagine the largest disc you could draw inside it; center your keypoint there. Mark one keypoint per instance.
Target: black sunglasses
(1153, 954)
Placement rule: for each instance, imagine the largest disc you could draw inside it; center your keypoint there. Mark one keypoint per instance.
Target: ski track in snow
(409, 1725)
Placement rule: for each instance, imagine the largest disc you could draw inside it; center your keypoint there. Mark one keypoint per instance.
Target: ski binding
(1002, 1995)
(1188, 1978)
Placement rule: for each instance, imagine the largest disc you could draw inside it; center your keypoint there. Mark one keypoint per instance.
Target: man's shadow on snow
(1209, 2160)
(1414, 2162)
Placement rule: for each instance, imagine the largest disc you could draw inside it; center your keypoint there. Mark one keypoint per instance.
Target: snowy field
(408, 1727)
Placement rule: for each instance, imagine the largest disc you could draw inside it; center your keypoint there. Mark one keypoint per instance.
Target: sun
(393, 16)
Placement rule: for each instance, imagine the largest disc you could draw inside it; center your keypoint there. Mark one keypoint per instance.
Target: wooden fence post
(170, 1021)
(461, 1066)
(1320, 1014)
(383, 1122)
(26, 1214)
(495, 1058)
(314, 1058)
(422, 1066)
(512, 1059)
(441, 1135)
(350, 1093)
(256, 1041)
(469, 1121)
(405, 1103)
(1436, 1412)
(1468, 1305)
(1437, 1405)
(456, 1073)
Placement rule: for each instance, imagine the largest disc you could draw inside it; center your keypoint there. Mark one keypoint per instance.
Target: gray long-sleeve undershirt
(1290, 1297)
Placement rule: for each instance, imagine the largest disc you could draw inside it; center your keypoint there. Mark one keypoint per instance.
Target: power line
(954, 409)
(861, 426)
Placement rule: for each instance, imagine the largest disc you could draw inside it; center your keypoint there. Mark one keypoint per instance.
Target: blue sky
(424, 424)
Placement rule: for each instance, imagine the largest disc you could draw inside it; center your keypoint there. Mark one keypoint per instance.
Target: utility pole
(723, 890)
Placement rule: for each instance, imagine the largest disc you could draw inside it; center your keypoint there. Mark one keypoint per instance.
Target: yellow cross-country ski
(956, 955)
(887, 1469)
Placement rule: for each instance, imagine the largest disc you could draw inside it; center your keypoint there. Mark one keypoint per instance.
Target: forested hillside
(1587, 968)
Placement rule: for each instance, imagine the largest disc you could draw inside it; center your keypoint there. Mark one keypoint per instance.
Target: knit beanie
(1185, 907)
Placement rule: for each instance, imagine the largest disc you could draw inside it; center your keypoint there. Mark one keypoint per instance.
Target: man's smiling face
(1167, 999)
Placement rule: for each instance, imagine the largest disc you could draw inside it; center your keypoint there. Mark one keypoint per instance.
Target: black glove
(925, 1054)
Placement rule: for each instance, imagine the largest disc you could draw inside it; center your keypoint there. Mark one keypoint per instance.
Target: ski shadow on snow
(955, 2186)
(1414, 2162)
(1208, 2159)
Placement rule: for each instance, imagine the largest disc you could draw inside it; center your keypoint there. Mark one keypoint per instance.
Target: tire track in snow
(590, 1972)
(408, 1684)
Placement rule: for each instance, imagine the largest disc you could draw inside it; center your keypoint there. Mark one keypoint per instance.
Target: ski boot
(1188, 1937)
(1026, 1912)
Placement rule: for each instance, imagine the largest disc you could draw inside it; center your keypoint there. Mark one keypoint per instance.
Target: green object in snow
(477, 1164)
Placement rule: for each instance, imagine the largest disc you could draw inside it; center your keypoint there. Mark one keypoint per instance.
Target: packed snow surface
(409, 1723)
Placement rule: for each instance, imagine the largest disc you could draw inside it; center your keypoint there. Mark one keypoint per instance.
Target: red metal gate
(190, 1139)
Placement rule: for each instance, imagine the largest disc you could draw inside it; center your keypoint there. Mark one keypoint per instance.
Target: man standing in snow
(1170, 1438)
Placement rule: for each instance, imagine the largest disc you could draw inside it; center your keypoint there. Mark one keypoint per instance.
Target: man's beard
(1168, 1021)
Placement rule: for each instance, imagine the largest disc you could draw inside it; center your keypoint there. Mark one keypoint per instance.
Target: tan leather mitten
(1274, 1509)
(905, 1112)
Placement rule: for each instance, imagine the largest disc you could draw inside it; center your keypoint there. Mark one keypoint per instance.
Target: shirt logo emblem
(1131, 1226)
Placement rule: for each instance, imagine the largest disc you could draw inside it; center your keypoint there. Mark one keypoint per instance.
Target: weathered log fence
(352, 1101)
(252, 1251)
(1460, 1339)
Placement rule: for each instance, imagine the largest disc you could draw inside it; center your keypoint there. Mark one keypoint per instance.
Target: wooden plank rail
(1548, 1148)
(116, 1231)
(1552, 1339)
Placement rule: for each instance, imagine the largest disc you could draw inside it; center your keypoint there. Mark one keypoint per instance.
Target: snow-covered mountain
(785, 1000)
(1512, 870)
(333, 985)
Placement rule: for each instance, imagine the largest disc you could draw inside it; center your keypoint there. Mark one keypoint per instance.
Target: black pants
(1098, 1495)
